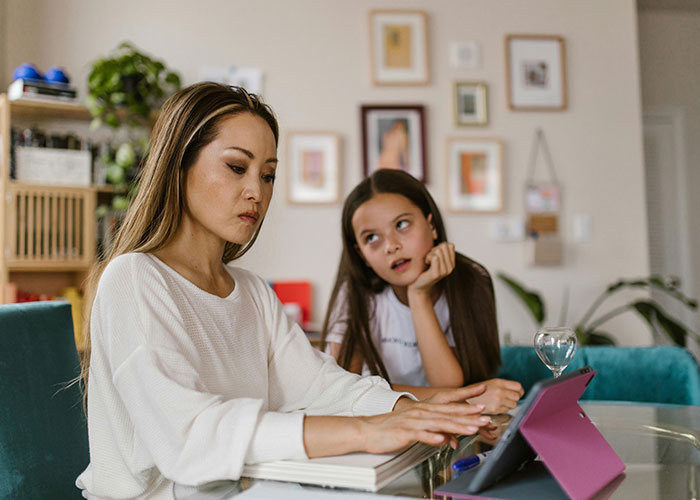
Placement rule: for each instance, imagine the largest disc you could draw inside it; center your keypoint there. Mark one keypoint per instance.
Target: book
(23, 88)
(361, 471)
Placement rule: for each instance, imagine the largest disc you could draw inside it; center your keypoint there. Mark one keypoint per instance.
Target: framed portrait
(475, 175)
(394, 137)
(399, 47)
(313, 174)
(470, 103)
(536, 72)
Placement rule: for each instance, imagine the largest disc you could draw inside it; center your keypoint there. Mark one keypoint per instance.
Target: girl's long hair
(468, 289)
(187, 122)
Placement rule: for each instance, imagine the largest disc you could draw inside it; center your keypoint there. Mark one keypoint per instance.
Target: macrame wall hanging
(543, 200)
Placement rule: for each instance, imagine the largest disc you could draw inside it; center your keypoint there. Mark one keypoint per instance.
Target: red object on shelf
(298, 292)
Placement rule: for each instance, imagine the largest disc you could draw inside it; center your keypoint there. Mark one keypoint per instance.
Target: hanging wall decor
(394, 137)
(399, 47)
(470, 103)
(536, 72)
(542, 208)
(313, 161)
(475, 175)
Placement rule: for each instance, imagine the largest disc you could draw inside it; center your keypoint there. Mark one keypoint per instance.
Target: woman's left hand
(440, 261)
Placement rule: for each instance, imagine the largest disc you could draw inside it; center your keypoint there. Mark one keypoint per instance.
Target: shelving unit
(47, 233)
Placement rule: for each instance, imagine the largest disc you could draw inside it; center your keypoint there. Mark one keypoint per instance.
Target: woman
(194, 369)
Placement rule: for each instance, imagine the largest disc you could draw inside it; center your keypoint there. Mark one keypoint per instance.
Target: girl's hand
(435, 421)
(500, 396)
(440, 261)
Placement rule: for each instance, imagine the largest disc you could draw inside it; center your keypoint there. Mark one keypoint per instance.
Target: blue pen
(470, 462)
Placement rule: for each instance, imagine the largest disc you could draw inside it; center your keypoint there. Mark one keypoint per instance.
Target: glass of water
(556, 346)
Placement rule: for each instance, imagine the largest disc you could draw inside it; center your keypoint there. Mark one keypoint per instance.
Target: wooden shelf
(103, 188)
(49, 109)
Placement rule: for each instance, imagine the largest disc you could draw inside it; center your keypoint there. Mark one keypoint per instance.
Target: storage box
(63, 167)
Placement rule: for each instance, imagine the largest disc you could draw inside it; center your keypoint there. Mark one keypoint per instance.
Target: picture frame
(313, 173)
(393, 136)
(475, 175)
(399, 47)
(470, 103)
(536, 72)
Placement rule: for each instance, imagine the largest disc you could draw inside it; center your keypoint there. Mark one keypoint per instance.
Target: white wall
(670, 75)
(315, 54)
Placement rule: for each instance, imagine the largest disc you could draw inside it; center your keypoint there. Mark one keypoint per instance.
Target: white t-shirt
(186, 386)
(393, 335)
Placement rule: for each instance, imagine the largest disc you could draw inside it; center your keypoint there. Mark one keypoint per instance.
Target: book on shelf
(361, 471)
(37, 89)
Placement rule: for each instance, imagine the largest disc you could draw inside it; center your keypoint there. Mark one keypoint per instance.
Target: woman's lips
(249, 217)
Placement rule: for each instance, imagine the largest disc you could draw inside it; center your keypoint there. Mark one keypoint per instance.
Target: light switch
(582, 228)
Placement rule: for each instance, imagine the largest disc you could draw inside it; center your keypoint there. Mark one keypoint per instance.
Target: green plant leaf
(656, 318)
(530, 298)
(600, 338)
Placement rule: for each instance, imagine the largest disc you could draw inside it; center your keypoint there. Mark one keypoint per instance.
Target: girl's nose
(392, 245)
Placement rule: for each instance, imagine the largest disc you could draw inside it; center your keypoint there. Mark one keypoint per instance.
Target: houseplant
(124, 90)
(588, 327)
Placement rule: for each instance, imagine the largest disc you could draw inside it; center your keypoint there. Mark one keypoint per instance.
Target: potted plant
(124, 90)
(588, 328)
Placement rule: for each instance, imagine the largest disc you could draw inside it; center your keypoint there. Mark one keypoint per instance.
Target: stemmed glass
(556, 346)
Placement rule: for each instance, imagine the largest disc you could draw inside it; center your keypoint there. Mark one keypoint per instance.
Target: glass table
(660, 446)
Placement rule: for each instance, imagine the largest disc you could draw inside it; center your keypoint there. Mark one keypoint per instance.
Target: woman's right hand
(436, 421)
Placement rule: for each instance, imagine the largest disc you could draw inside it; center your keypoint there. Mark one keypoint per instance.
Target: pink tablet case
(568, 443)
(570, 446)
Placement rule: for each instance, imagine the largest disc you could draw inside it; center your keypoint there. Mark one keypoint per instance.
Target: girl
(404, 305)
(194, 368)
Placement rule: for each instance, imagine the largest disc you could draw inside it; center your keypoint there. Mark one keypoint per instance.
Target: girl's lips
(400, 264)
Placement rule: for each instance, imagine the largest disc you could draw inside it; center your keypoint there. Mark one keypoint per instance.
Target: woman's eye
(269, 178)
(402, 224)
(236, 168)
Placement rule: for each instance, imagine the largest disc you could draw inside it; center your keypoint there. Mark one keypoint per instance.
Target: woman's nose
(252, 190)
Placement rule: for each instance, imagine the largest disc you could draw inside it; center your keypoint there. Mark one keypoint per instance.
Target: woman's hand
(500, 395)
(440, 262)
(435, 421)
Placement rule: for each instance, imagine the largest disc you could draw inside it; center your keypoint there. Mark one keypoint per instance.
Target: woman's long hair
(468, 289)
(187, 122)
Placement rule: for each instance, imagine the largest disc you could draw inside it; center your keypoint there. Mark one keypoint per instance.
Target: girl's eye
(371, 238)
(402, 224)
(236, 168)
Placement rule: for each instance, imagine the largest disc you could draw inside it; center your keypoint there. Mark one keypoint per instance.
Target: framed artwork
(536, 72)
(399, 47)
(313, 160)
(475, 175)
(470, 103)
(394, 137)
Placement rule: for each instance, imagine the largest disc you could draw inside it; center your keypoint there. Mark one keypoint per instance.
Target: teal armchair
(43, 433)
(659, 374)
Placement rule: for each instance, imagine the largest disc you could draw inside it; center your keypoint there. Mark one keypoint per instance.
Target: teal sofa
(43, 433)
(659, 374)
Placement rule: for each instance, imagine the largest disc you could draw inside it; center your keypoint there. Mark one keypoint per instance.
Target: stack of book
(362, 471)
(41, 90)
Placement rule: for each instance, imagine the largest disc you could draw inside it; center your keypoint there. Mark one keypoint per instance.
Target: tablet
(513, 451)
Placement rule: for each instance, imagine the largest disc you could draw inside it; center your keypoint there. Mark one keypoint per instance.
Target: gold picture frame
(313, 167)
(475, 175)
(399, 47)
(536, 72)
(470, 103)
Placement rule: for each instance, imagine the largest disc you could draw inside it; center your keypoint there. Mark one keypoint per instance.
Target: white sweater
(186, 386)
